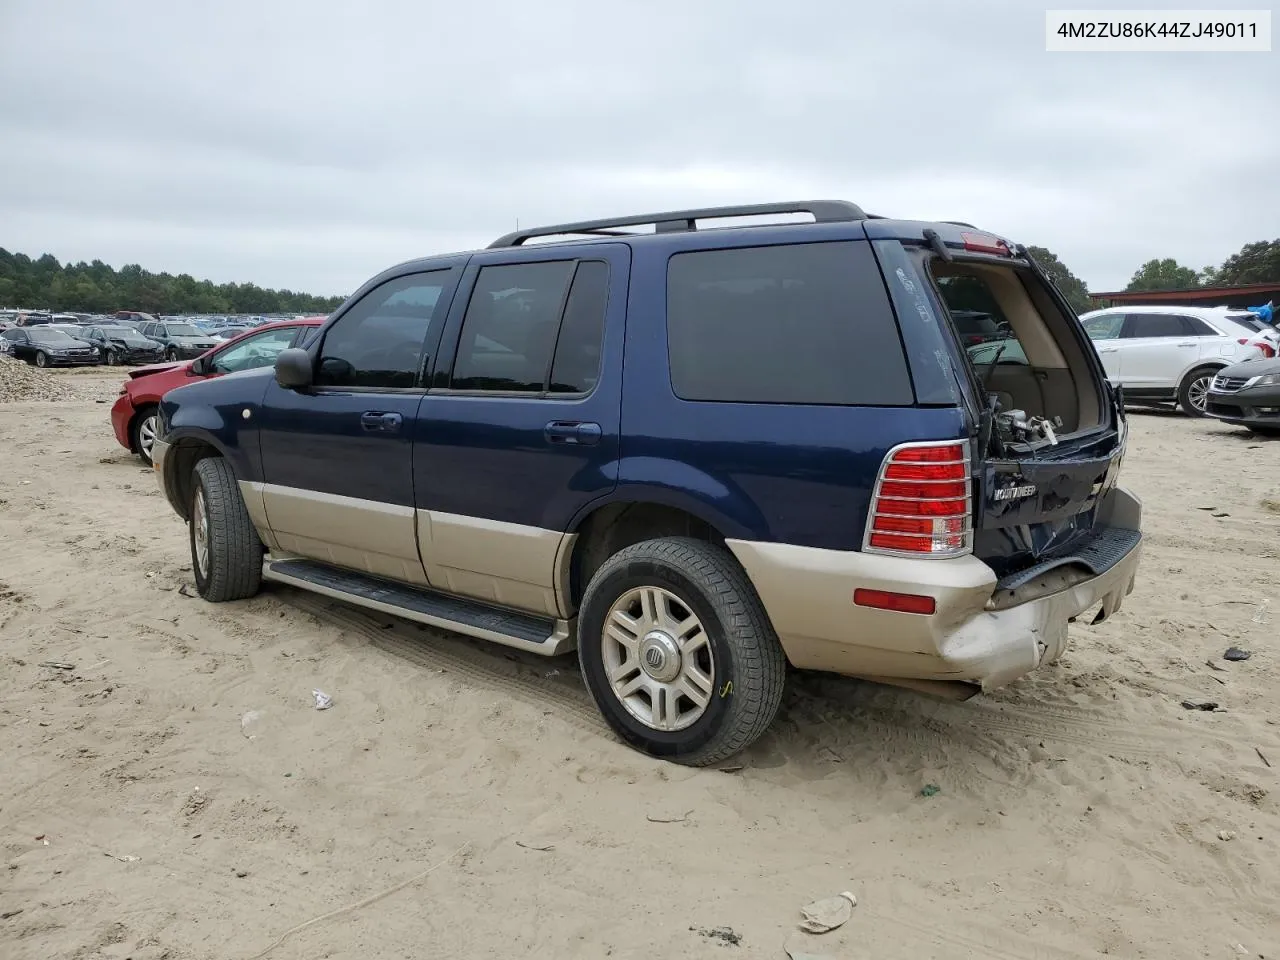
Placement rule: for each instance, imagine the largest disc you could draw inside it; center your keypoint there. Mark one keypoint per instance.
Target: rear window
(801, 323)
(1250, 320)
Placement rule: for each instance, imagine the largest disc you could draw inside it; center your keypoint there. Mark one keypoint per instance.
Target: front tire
(678, 653)
(226, 554)
(109, 358)
(145, 425)
(1193, 392)
(42, 359)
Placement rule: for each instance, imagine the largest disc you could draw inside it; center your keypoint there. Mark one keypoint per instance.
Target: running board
(511, 628)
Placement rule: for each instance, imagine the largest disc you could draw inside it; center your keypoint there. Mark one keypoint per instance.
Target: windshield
(46, 335)
(182, 330)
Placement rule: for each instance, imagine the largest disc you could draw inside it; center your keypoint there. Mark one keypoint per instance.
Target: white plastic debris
(823, 915)
(323, 700)
(1261, 615)
(249, 725)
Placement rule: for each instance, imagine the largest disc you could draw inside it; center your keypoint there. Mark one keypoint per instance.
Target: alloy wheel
(658, 659)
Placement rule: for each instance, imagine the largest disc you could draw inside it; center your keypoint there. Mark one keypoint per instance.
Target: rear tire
(1193, 392)
(678, 653)
(226, 554)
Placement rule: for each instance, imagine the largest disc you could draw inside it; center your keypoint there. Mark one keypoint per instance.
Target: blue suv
(699, 453)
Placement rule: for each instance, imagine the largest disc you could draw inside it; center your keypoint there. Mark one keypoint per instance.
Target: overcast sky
(311, 144)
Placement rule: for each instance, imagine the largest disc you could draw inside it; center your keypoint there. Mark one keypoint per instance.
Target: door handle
(1108, 349)
(375, 421)
(1189, 343)
(572, 432)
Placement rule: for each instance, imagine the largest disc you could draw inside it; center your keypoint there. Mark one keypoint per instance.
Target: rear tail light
(1268, 351)
(922, 504)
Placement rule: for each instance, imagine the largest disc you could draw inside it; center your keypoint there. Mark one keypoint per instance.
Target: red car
(133, 417)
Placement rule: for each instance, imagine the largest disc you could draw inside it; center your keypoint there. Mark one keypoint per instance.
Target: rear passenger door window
(387, 339)
(802, 323)
(534, 328)
(1151, 325)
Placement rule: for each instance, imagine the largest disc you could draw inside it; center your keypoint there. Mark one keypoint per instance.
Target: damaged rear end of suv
(1026, 499)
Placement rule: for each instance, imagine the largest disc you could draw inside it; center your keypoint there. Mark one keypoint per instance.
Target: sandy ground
(462, 801)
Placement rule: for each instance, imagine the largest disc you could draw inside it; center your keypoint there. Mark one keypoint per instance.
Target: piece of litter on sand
(182, 589)
(58, 665)
(1235, 654)
(540, 847)
(1219, 516)
(10, 913)
(796, 954)
(1260, 616)
(125, 859)
(930, 790)
(249, 725)
(680, 819)
(823, 915)
(1213, 666)
(726, 935)
(1207, 705)
(323, 700)
(1226, 835)
(1262, 756)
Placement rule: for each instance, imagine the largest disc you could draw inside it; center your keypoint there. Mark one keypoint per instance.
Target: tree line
(95, 287)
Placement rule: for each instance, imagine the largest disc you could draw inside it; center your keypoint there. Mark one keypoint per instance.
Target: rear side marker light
(897, 602)
(922, 504)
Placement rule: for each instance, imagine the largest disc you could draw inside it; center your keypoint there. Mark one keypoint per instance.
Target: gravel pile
(21, 382)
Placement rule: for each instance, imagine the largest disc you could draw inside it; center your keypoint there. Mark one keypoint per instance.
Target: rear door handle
(376, 421)
(1189, 343)
(1108, 350)
(572, 432)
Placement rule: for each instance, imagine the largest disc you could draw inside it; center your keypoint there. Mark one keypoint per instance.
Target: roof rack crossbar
(676, 221)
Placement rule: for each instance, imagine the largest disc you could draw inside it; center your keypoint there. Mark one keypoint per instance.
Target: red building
(1245, 295)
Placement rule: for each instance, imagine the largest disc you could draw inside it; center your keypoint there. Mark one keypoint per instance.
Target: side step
(525, 631)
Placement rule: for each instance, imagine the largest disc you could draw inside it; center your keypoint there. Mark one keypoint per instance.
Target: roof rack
(960, 223)
(676, 221)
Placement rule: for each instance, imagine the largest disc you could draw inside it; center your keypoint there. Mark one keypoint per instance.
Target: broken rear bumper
(979, 633)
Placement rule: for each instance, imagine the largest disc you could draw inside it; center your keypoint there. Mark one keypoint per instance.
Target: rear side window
(1198, 328)
(802, 323)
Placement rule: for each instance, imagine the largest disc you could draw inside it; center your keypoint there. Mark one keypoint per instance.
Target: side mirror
(293, 369)
(199, 367)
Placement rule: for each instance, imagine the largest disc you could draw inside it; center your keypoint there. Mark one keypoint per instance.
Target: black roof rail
(960, 223)
(675, 221)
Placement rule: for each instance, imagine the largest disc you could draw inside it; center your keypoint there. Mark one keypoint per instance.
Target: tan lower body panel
(376, 538)
(808, 595)
(517, 566)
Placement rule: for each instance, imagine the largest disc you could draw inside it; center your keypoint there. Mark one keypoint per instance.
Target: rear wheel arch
(611, 527)
(1187, 386)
